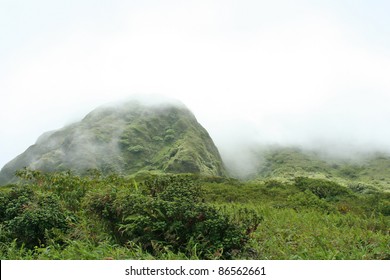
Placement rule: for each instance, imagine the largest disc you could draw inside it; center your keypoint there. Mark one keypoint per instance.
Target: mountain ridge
(287, 163)
(125, 139)
(164, 136)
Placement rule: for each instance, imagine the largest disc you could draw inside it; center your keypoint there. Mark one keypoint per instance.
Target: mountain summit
(126, 138)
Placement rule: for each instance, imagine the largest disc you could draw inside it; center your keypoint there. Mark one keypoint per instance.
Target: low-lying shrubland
(165, 216)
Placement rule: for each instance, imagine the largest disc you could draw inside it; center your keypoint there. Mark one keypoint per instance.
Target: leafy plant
(321, 188)
(153, 215)
(169, 211)
(136, 149)
(29, 216)
(308, 200)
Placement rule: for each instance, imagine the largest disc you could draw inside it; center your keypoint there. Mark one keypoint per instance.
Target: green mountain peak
(126, 138)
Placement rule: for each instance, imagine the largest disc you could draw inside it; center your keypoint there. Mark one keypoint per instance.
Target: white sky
(287, 72)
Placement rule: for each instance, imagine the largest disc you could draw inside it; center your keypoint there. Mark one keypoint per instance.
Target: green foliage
(361, 188)
(169, 138)
(124, 139)
(160, 216)
(136, 149)
(30, 216)
(322, 188)
(286, 163)
(350, 172)
(170, 131)
(308, 200)
(384, 207)
(68, 187)
(309, 235)
(169, 211)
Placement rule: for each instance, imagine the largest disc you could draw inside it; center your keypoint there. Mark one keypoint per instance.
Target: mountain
(125, 139)
(286, 163)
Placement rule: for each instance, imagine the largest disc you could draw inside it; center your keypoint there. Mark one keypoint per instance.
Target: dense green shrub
(384, 207)
(168, 211)
(377, 203)
(322, 188)
(274, 184)
(361, 188)
(308, 200)
(157, 216)
(169, 138)
(70, 188)
(29, 216)
(351, 172)
(136, 149)
(170, 131)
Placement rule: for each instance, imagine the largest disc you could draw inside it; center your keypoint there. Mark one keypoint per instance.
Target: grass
(296, 223)
(287, 234)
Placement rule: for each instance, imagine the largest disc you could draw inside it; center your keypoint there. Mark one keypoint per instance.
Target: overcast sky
(287, 72)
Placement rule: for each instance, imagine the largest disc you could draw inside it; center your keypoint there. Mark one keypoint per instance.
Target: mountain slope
(288, 163)
(125, 139)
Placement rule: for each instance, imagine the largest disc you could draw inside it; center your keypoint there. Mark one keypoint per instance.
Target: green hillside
(187, 216)
(140, 181)
(287, 163)
(125, 139)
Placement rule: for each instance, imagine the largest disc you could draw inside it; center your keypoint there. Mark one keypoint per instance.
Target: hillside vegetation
(286, 163)
(149, 216)
(125, 139)
(142, 181)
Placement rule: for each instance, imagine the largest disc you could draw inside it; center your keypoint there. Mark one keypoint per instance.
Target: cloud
(287, 73)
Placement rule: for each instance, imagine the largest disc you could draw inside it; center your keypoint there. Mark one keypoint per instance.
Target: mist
(253, 73)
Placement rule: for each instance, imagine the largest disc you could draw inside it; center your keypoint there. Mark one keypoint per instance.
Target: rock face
(125, 139)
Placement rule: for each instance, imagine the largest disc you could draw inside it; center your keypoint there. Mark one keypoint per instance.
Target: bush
(169, 138)
(308, 200)
(170, 131)
(29, 217)
(350, 172)
(69, 188)
(169, 211)
(157, 138)
(274, 184)
(136, 149)
(322, 188)
(362, 188)
(384, 207)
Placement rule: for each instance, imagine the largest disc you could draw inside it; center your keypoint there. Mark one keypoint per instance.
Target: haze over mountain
(162, 135)
(287, 163)
(125, 139)
(308, 73)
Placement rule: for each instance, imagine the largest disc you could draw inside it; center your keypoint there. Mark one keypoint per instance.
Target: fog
(313, 75)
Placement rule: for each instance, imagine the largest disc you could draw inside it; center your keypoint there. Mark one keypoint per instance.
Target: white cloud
(289, 71)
